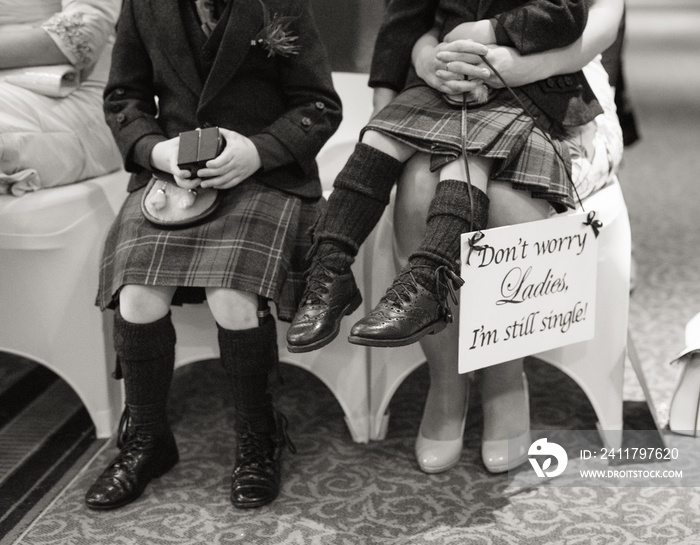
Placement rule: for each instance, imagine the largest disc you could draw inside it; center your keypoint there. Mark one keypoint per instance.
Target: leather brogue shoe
(143, 457)
(404, 315)
(257, 475)
(327, 299)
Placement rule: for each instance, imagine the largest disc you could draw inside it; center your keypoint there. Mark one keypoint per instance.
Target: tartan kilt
(500, 130)
(256, 241)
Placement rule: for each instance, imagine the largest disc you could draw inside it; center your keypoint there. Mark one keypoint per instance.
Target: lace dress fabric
(596, 148)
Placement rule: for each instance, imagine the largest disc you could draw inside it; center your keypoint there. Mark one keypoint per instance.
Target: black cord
(534, 120)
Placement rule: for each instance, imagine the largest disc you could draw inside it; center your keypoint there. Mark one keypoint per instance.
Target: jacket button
(305, 121)
(320, 105)
(119, 91)
(121, 118)
(568, 80)
(551, 82)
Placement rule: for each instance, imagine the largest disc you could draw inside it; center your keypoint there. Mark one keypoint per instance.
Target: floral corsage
(275, 36)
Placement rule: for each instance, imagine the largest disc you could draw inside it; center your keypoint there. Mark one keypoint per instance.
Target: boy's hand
(164, 157)
(237, 162)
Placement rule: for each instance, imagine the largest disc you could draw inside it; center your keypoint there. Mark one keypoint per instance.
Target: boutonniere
(275, 36)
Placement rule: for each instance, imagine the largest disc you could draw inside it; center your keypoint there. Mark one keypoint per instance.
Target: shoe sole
(156, 474)
(351, 307)
(431, 329)
(254, 504)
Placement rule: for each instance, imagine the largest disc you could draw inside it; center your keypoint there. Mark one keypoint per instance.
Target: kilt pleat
(256, 241)
(500, 130)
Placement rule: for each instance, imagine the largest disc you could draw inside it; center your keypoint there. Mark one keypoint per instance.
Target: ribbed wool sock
(146, 355)
(248, 356)
(360, 194)
(450, 214)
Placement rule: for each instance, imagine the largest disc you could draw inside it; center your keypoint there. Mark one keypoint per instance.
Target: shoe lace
(130, 443)
(403, 286)
(255, 448)
(447, 282)
(317, 278)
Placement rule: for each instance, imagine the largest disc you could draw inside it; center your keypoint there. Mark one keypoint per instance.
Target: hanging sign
(528, 288)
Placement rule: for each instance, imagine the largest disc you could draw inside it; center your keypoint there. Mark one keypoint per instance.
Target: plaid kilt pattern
(499, 130)
(256, 241)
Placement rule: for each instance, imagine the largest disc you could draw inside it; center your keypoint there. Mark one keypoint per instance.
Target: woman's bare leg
(503, 388)
(447, 396)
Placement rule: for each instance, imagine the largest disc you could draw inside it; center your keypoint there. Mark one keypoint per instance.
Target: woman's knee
(415, 191)
(510, 206)
(233, 309)
(145, 304)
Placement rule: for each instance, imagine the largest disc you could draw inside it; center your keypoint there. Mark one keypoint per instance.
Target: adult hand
(164, 157)
(515, 69)
(446, 65)
(237, 162)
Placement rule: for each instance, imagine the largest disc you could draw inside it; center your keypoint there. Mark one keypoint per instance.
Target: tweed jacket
(285, 104)
(529, 26)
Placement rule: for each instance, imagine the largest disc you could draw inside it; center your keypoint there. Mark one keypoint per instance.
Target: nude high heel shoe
(494, 453)
(436, 456)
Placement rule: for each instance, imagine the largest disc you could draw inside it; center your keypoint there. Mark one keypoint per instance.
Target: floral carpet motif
(339, 492)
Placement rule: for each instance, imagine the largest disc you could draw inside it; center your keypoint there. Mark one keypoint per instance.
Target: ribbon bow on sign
(595, 224)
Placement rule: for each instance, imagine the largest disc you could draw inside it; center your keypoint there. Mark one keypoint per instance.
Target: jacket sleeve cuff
(502, 37)
(272, 152)
(141, 152)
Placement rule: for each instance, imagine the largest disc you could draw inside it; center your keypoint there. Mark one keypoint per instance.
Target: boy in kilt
(259, 72)
(499, 140)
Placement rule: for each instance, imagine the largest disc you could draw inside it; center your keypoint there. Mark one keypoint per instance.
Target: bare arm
(601, 30)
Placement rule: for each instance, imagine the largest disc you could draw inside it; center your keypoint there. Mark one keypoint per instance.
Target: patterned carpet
(339, 492)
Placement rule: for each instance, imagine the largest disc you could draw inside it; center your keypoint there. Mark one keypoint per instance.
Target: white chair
(596, 365)
(50, 245)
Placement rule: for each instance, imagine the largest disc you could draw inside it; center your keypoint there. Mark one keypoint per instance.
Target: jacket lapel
(171, 33)
(241, 28)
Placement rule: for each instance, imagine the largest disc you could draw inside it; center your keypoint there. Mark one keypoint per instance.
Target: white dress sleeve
(82, 28)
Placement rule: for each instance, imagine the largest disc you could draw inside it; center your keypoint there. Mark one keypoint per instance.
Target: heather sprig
(275, 36)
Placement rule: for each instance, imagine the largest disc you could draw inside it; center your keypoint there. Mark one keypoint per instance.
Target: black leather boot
(248, 356)
(328, 298)
(145, 452)
(360, 194)
(145, 356)
(408, 311)
(256, 476)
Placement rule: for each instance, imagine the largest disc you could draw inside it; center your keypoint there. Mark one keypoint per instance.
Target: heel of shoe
(354, 304)
(169, 461)
(684, 412)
